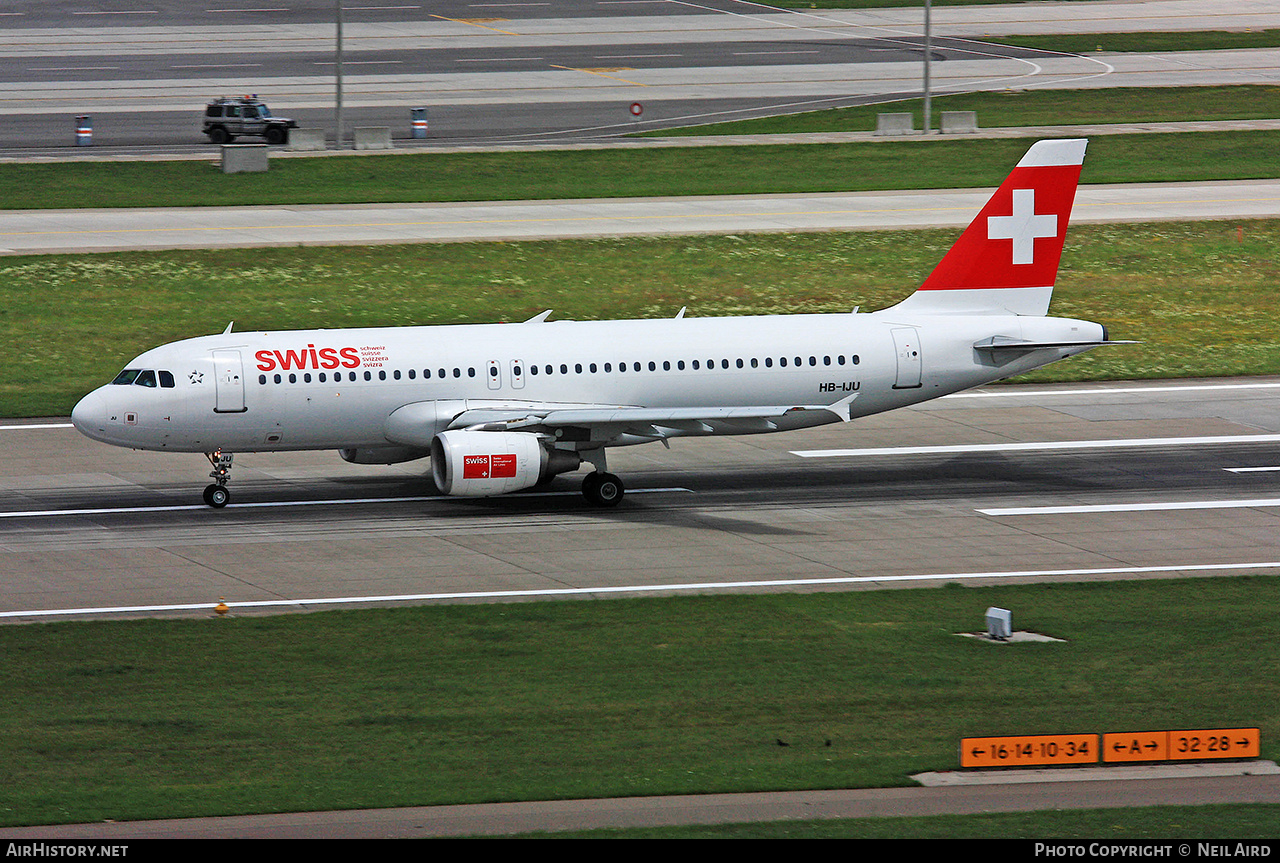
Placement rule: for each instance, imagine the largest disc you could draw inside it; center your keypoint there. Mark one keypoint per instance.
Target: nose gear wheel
(216, 495)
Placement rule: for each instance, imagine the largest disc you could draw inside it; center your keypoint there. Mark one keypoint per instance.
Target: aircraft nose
(89, 416)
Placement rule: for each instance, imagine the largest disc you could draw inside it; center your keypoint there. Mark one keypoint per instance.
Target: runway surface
(44, 231)
(1007, 484)
(570, 71)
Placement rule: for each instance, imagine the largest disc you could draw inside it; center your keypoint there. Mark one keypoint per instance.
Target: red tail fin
(1006, 261)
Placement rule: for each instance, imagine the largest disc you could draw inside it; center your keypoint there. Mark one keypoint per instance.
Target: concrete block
(373, 138)
(243, 158)
(959, 122)
(306, 139)
(895, 124)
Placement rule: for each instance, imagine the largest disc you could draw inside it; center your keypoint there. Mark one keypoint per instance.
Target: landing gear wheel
(602, 489)
(217, 496)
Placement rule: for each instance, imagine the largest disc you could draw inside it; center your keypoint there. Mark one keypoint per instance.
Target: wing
(606, 425)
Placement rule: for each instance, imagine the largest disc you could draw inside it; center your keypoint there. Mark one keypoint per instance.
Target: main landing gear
(216, 495)
(602, 489)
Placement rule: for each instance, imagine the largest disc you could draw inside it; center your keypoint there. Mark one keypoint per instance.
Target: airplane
(503, 407)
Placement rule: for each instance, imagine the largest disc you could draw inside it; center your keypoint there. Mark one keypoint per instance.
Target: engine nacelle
(484, 463)
(383, 454)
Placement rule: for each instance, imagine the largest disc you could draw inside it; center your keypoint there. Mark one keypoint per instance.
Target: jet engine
(483, 463)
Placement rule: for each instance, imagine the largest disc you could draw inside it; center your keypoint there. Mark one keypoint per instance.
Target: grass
(1202, 301)
(560, 700)
(880, 4)
(1084, 43)
(1003, 108)
(1131, 824)
(937, 163)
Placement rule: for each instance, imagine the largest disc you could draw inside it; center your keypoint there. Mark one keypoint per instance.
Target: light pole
(338, 72)
(928, 50)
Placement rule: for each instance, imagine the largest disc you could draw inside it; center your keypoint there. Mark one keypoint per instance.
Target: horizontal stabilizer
(1005, 343)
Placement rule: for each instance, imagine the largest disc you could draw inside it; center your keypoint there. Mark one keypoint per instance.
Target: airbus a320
(503, 407)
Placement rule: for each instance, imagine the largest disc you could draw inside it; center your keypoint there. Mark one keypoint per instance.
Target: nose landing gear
(216, 495)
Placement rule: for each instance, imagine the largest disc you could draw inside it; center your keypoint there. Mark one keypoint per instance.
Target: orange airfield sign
(1199, 745)
(1116, 747)
(1028, 751)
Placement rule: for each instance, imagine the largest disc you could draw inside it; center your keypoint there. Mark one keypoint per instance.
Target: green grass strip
(882, 4)
(558, 700)
(1200, 296)
(940, 163)
(1001, 108)
(1086, 43)
(1221, 822)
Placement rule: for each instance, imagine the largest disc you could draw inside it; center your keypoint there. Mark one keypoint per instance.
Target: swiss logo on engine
(489, 466)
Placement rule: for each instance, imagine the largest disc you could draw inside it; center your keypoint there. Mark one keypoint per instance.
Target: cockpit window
(126, 377)
(146, 378)
(166, 379)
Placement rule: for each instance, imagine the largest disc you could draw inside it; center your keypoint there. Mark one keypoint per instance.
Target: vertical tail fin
(1006, 261)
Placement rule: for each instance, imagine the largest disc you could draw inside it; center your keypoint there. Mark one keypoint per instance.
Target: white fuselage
(335, 389)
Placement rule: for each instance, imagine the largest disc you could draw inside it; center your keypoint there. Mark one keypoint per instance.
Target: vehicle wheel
(274, 135)
(602, 489)
(217, 496)
(218, 135)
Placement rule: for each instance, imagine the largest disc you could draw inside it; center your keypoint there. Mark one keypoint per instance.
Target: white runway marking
(1133, 507)
(1026, 446)
(37, 426)
(642, 588)
(1250, 469)
(1104, 391)
(126, 510)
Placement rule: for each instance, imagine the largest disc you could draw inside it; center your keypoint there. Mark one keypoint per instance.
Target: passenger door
(228, 382)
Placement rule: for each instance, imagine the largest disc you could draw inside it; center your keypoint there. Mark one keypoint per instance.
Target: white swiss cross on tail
(1024, 227)
(1006, 261)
